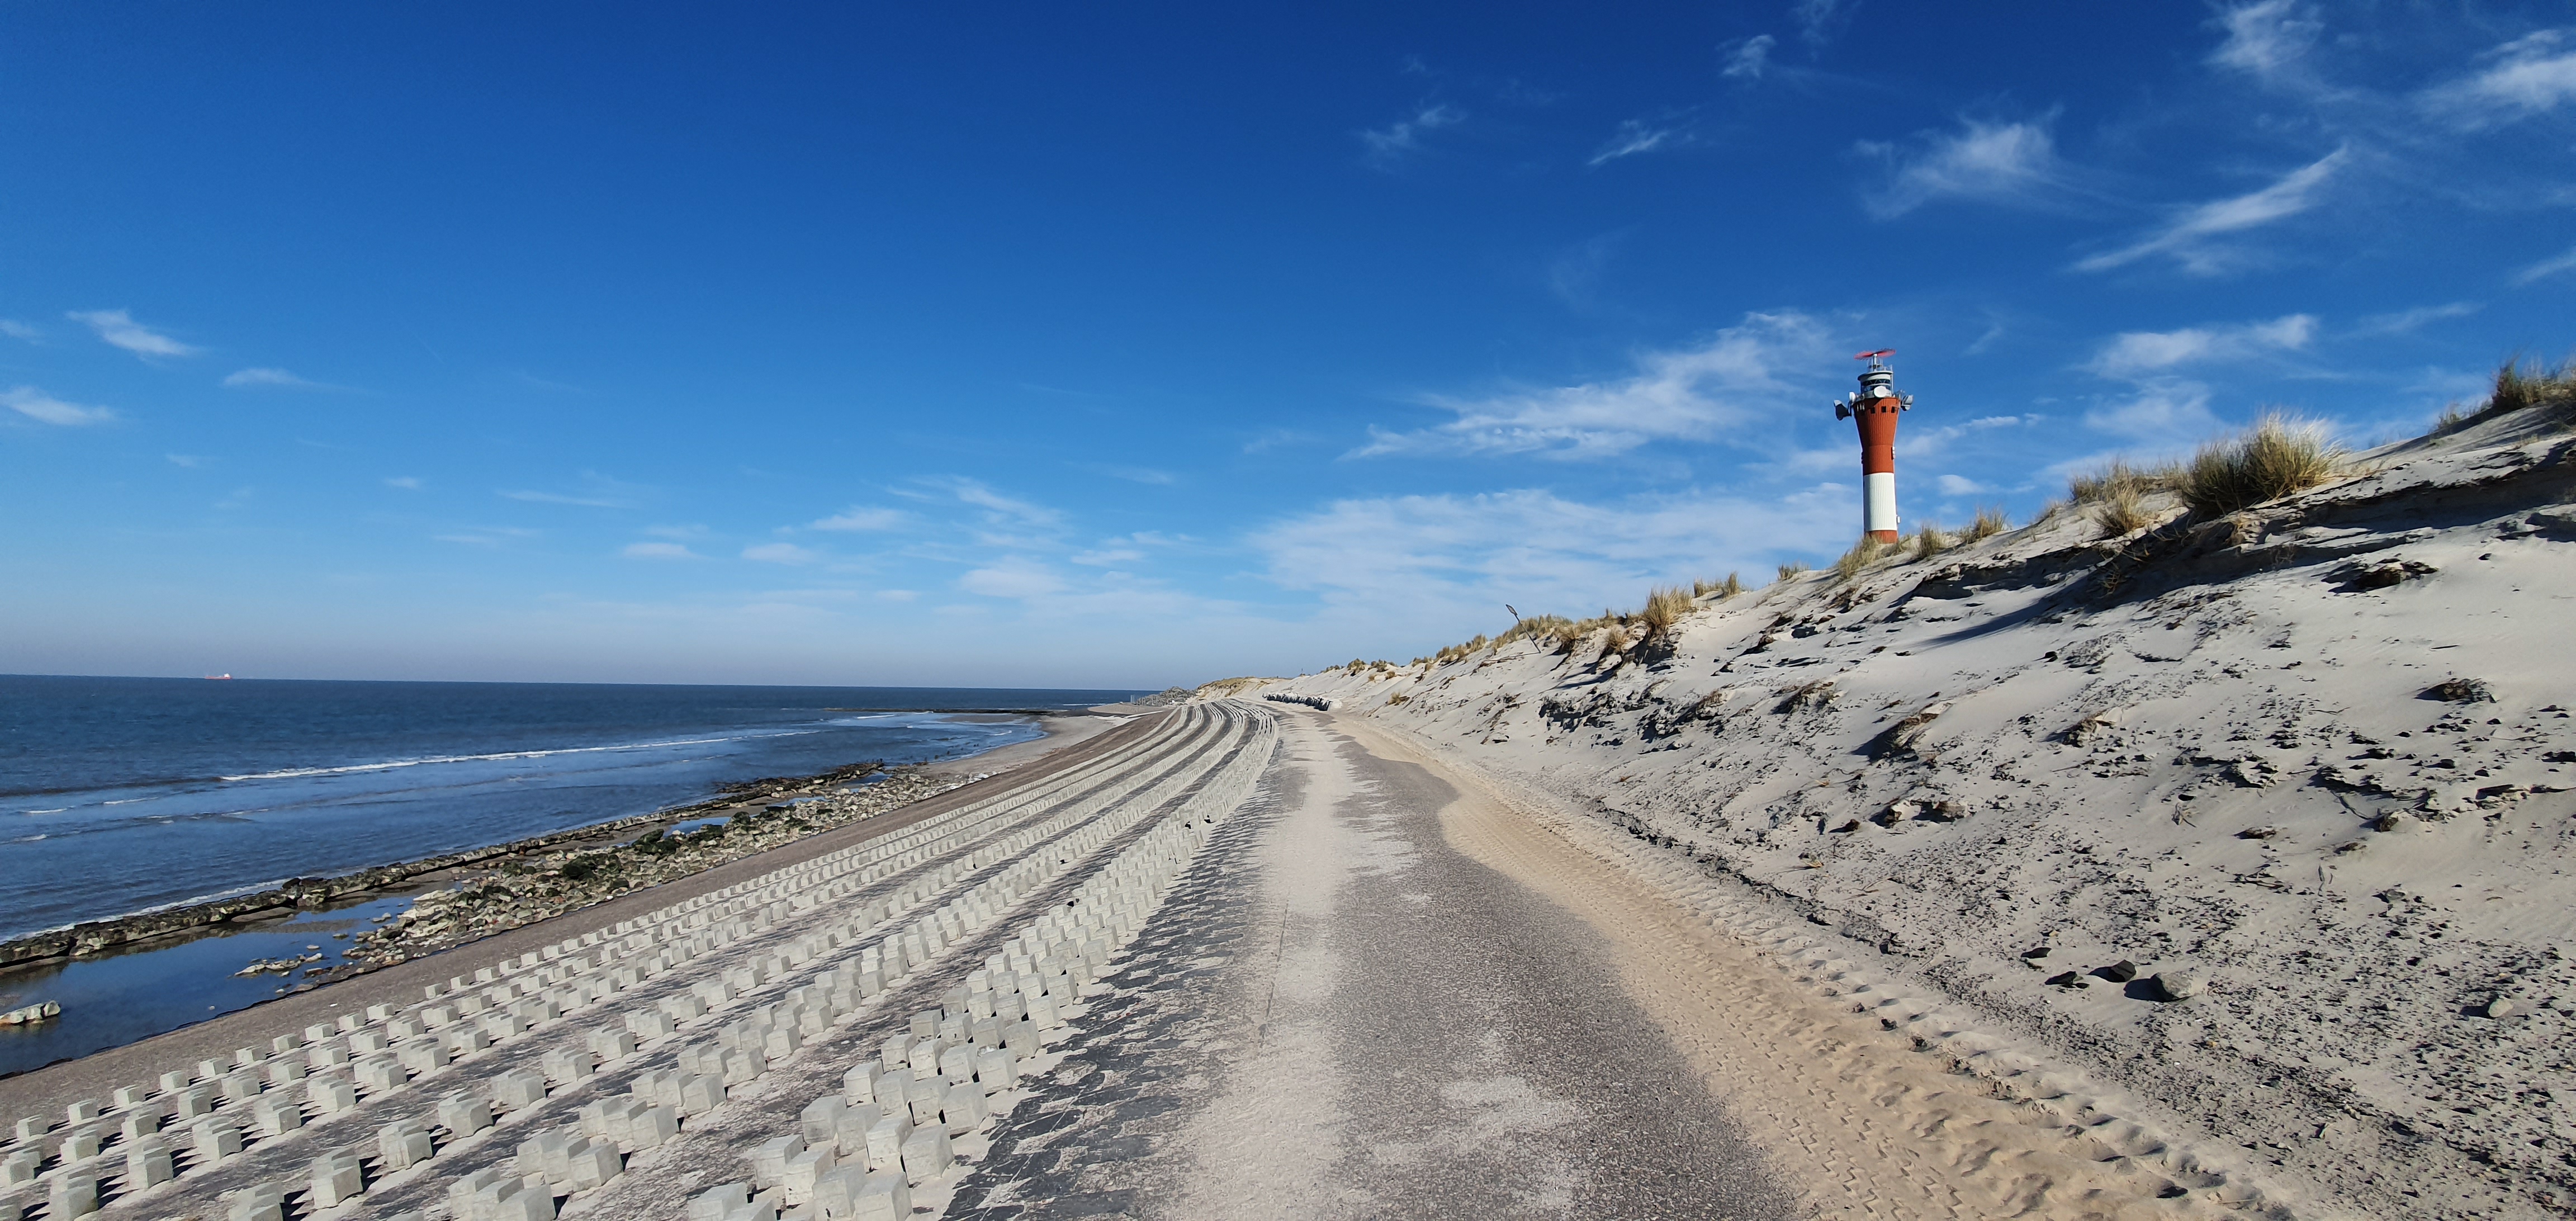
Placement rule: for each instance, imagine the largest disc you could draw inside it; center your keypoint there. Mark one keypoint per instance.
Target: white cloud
(119, 328)
(408, 483)
(1457, 559)
(17, 330)
(2546, 268)
(1000, 510)
(1102, 557)
(2264, 40)
(2167, 415)
(1138, 474)
(1749, 59)
(658, 551)
(188, 461)
(37, 405)
(2186, 238)
(1396, 141)
(1012, 578)
(779, 553)
(2007, 163)
(273, 377)
(1957, 485)
(857, 518)
(2134, 354)
(2526, 77)
(677, 532)
(1732, 379)
(558, 498)
(2407, 320)
(1818, 20)
(1639, 136)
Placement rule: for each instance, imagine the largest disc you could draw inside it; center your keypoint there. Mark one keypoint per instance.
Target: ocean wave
(296, 773)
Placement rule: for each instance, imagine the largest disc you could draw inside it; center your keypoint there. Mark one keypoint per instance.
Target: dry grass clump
(1792, 568)
(1727, 588)
(1930, 541)
(1864, 553)
(2518, 387)
(2275, 457)
(1664, 608)
(2121, 512)
(2122, 479)
(1989, 523)
(1541, 628)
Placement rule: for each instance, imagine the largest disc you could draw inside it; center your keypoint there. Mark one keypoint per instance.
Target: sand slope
(2205, 748)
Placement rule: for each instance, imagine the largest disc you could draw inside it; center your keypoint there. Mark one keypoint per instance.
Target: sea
(120, 795)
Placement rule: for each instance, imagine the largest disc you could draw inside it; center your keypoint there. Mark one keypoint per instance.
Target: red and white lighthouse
(1875, 406)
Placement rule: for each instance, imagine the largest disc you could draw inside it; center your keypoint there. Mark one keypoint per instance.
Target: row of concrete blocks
(273, 1121)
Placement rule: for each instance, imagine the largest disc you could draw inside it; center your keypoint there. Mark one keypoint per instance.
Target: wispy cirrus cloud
(780, 553)
(2546, 268)
(1390, 145)
(862, 518)
(2134, 354)
(2525, 77)
(1637, 136)
(408, 483)
(118, 327)
(1012, 577)
(1819, 20)
(44, 408)
(1694, 393)
(2267, 41)
(278, 378)
(20, 331)
(2191, 237)
(1748, 59)
(1988, 162)
(658, 551)
(559, 498)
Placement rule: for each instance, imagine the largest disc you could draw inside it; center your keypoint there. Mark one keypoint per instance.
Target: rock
(2389, 821)
(2502, 1006)
(31, 1014)
(2068, 979)
(2119, 972)
(2460, 691)
(2179, 985)
(2263, 832)
(2035, 952)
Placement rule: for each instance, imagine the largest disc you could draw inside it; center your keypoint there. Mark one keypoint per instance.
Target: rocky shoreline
(522, 880)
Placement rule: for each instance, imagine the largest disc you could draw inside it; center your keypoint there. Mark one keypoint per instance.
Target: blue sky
(1134, 344)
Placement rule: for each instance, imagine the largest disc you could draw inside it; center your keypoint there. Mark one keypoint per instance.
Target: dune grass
(2518, 386)
(1864, 553)
(1664, 608)
(2121, 479)
(1931, 540)
(2122, 511)
(1989, 523)
(1727, 588)
(1792, 568)
(2277, 456)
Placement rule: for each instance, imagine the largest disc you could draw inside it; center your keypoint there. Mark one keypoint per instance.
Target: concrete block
(742, 1065)
(148, 1164)
(130, 1095)
(283, 1044)
(926, 1154)
(544, 1154)
(860, 1083)
(436, 1016)
(82, 1111)
(401, 1029)
(526, 1203)
(712, 992)
(336, 1181)
(368, 1042)
(885, 1142)
(769, 1158)
(718, 1202)
(377, 1074)
(331, 1095)
(208, 1070)
(320, 1032)
(883, 1197)
(465, 1040)
(79, 1144)
(286, 1072)
(241, 1086)
(997, 1069)
(21, 1167)
(611, 1045)
(701, 1094)
(804, 1172)
(780, 1043)
(849, 1137)
(652, 1126)
(403, 1144)
(464, 1114)
(173, 1082)
(138, 1124)
(422, 1056)
(658, 1088)
(566, 1065)
(924, 1060)
(504, 1026)
(962, 1108)
(591, 1163)
(213, 1140)
(73, 1195)
(650, 1024)
(519, 1089)
(322, 1057)
(462, 1193)
(277, 1115)
(958, 1061)
(266, 1202)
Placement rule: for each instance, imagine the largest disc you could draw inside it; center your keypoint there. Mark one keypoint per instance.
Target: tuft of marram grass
(2120, 478)
(1792, 568)
(1930, 541)
(1863, 554)
(2277, 456)
(1989, 523)
(2121, 512)
(1664, 608)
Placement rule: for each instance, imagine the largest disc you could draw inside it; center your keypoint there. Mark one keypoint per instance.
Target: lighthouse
(1875, 406)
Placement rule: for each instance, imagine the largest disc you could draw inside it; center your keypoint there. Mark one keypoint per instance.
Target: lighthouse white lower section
(1878, 503)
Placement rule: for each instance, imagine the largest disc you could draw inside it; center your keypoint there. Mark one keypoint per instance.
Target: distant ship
(216, 676)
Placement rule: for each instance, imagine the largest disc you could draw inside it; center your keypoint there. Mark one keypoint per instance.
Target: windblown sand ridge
(2313, 756)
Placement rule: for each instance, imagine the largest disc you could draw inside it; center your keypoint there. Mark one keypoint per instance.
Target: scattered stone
(2119, 972)
(2262, 832)
(2037, 951)
(31, 1014)
(2068, 979)
(2502, 1006)
(2389, 821)
(2365, 577)
(2460, 691)
(2179, 985)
